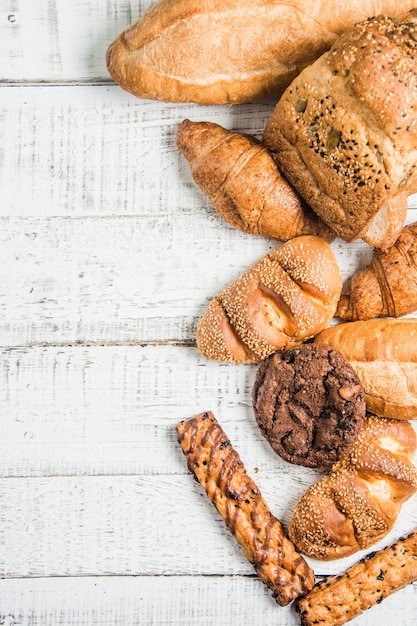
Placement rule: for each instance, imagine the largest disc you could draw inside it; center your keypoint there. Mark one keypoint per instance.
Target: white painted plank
(61, 40)
(140, 525)
(113, 409)
(93, 149)
(123, 279)
(90, 150)
(167, 601)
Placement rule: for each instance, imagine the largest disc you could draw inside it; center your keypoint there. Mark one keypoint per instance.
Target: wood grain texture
(188, 600)
(109, 254)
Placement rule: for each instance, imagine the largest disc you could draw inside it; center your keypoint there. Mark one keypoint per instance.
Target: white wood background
(109, 255)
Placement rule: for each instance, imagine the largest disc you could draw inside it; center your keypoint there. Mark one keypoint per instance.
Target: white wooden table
(109, 255)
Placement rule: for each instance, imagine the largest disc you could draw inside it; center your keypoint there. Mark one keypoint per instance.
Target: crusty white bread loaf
(383, 353)
(338, 599)
(358, 502)
(285, 298)
(387, 287)
(230, 51)
(244, 183)
(345, 131)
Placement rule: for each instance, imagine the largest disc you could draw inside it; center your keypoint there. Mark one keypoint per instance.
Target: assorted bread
(386, 287)
(218, 468)
(383, 353)
(288, 296)
(358, 502)
(344, 133)
(230, 51)
(338, 156)
(244, 184)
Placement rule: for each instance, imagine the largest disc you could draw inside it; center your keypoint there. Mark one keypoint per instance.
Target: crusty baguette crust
(344, 134)
(383, 352)
(244, 183)
(338, 599)
(285, 298)
(230, 51)
(388, 286)
(358, 502)
(217, 466)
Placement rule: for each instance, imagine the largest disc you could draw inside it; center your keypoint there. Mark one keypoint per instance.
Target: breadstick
(339, 599)
(218, 468)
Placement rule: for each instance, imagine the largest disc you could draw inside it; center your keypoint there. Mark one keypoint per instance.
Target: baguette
(338, 599)
(230, 51)
(388, 286)
(383, 353)
(345, 132)
(244, 183)
(288, 296)
(217, 466)
(358, 502)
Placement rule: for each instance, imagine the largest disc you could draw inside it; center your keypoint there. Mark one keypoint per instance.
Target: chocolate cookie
(309, 404)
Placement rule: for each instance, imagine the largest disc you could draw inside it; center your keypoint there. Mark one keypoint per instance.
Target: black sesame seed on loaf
(345, 132)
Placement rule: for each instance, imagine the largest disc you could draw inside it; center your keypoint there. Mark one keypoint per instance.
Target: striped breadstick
(338, 599)
(218, 468)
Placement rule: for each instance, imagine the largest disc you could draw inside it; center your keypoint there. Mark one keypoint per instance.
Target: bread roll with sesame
(244, 183)
(358, 503)
(383, 353)
(230, 51)
(285, 298)
(344, 133)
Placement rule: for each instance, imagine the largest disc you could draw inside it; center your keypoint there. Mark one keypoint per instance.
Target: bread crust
(338, 599)
(218, 468)
(345, 131)
(358, 502)
(383, 353)
(229, 51)
(285, 298)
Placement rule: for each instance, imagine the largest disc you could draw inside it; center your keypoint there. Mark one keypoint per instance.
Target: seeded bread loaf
(383, 353)
(285, 298)
(230, 51)
(358, 502)
(345, 131)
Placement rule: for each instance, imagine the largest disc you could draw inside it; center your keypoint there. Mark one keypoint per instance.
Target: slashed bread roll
(285, 298)
(345, 131)
(230, 51)
(383, 353)
(358, 502)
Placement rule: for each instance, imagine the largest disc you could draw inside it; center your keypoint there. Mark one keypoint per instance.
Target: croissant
(288, 296)
(244, 183)
(345, 131)
(219, 469)
(357, 504)
(388, 286)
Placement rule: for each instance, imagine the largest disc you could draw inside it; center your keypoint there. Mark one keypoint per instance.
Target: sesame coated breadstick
(218, 468)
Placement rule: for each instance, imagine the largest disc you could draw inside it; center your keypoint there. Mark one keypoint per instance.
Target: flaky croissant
(388, 286)
(358, 503)
(244, 183)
